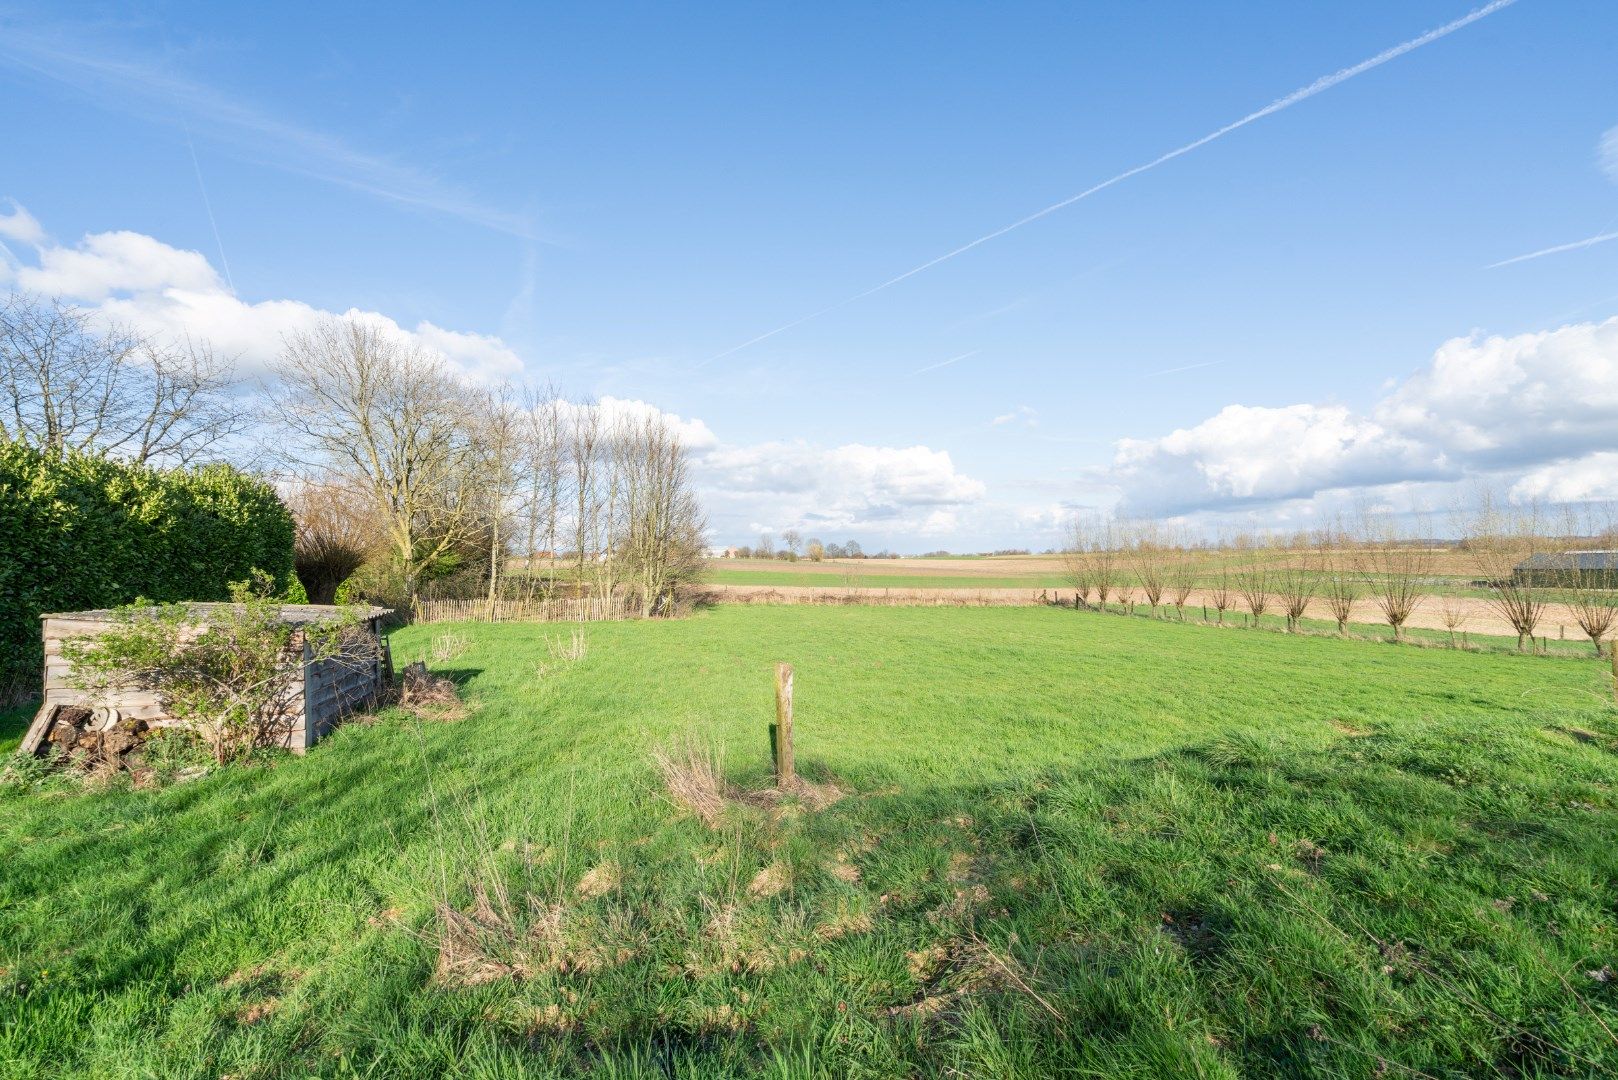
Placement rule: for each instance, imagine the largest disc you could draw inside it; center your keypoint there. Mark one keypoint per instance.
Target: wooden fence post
(781, 732)
(1614, 644)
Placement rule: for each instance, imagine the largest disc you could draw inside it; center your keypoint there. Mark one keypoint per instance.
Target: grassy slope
(1143, 805)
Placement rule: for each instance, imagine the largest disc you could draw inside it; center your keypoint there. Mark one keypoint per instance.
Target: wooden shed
(326, 689)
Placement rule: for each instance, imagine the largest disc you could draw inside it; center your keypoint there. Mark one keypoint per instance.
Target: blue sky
(614, 197)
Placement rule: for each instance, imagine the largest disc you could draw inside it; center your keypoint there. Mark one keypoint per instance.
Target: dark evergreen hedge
(79, 531)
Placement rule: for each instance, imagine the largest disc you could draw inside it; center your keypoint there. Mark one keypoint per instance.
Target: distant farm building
(1588, 569)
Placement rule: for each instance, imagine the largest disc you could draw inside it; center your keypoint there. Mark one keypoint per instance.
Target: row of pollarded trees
(409, 468)
(1346, 570)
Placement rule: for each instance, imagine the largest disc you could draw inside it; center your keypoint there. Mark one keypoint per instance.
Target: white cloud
(19, 225)
(117, 262)
(1607, 154)
(1593, 478)
(892, 490)
(1514, 400)
(694, 435)
(1028, 416)
(1483, 407)
(139, 281)
(1254, 455)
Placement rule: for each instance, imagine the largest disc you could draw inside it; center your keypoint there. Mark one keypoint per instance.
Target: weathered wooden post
(781, 732)
(1614, 644)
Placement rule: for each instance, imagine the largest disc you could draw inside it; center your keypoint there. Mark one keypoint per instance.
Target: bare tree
(1254, 576)
(1220, 591)
(1078, 565)
(336, 533)
(662, 530)
(1500, 543)
(1182, 575)
(67, 382)
(584, 447)
(1401, 574)
(544, 468)
(1591, 585)
(1296, 581)
(765, 548)
(364, 404)
(498, 431)
(792, 540)
(1452, 610)
(1340, 577)
(1144, 554)
(1101, 543)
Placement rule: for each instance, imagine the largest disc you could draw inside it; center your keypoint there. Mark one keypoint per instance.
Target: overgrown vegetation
(81, 531)
(1069, 846)
(235, 682)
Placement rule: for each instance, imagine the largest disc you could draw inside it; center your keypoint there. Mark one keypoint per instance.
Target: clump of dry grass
(599, 880)
(967, 966)
(429, 696)
(497, 937)
(800, 795)
(770, 881)
(569, 649)
(447, 647)
(694, 777)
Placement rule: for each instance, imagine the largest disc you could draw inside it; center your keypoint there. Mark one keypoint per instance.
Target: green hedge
(79, 531)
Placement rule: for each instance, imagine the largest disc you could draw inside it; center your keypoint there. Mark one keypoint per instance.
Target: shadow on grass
(1244, 904)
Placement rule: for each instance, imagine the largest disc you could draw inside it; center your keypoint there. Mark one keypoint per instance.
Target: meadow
(1038, 842)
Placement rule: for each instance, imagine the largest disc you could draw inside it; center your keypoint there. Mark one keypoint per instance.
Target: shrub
(80, 531)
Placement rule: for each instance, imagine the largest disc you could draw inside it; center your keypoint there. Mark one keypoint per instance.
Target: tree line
(1517, 559)
(400, 473)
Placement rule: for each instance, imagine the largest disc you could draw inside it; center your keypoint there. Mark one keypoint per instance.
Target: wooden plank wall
(328, 690)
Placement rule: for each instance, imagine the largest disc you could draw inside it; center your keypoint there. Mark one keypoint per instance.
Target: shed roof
(1571, 560)
(296, 614)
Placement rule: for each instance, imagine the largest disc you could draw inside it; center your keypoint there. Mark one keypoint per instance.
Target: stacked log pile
(99, 737)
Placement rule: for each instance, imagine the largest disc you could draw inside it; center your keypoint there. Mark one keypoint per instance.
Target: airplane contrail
(207, 204)
(1177, 370)
(1320, 85)
(1587, 242)
(946, 363)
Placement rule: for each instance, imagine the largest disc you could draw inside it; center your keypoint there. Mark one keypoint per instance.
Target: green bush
(79, 531)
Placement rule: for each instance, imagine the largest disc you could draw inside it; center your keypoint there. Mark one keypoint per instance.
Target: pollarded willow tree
(1341, 576)
(1296, 581)
(1500, 542)
(1146, 554)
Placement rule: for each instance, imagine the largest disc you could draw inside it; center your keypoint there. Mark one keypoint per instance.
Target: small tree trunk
(785, 766)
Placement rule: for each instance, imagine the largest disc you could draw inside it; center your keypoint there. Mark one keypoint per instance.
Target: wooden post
(781, 732)
(1614, 650)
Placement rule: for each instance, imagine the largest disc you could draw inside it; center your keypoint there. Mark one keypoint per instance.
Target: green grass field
(871, 575)
(1073, 844)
